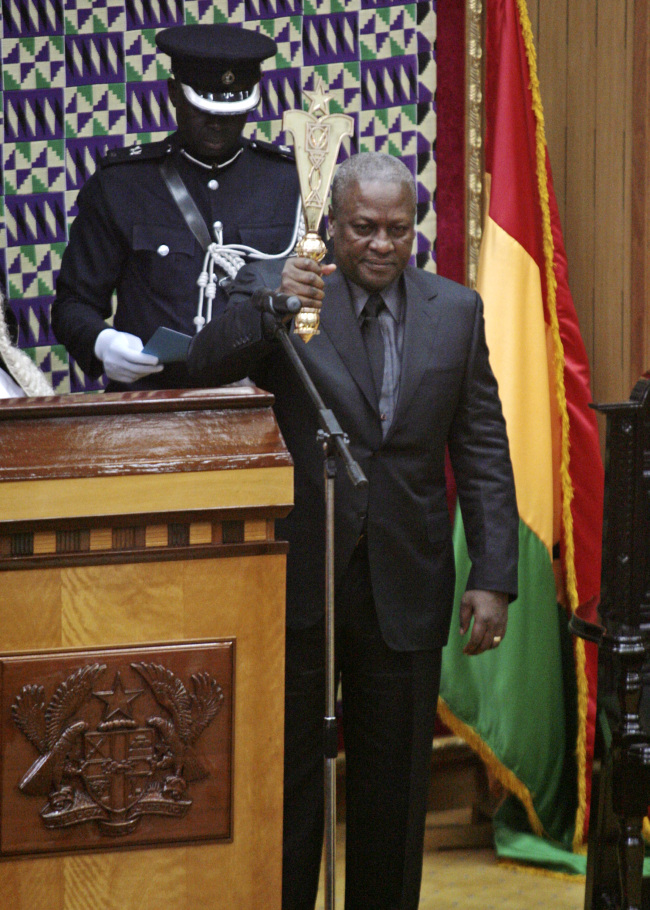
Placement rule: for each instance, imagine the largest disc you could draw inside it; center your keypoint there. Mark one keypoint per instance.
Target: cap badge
(228, 78)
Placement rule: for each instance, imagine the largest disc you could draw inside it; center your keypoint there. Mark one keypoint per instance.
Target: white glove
(121, 354)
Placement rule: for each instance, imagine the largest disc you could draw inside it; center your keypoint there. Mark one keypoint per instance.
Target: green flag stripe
(527, 673)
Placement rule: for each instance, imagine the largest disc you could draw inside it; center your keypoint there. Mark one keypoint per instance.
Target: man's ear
(331, 222)
(173, 89)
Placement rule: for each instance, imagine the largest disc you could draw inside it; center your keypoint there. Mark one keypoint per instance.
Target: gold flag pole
(317, 137)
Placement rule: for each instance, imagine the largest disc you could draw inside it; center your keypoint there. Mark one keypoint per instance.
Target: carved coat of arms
(128, 764)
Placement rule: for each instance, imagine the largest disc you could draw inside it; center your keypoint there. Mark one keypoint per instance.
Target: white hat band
(217, 105)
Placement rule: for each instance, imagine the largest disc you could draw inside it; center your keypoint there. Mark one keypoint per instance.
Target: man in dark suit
(427, 385)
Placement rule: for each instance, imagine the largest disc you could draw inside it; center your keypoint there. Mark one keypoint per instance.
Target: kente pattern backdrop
(82, 76)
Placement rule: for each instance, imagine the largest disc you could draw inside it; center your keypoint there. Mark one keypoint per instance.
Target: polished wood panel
(593, 67)
(240, 598)
(196, 562)
(116, 747)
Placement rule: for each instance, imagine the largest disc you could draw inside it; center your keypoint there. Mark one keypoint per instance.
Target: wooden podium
(142, 651)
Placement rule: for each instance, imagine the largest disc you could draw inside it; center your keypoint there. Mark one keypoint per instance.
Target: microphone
(276, 303)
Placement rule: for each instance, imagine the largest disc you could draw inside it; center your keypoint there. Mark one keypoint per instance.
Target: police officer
(167, 225)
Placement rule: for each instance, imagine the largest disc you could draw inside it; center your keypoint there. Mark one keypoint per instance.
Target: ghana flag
(528, 707)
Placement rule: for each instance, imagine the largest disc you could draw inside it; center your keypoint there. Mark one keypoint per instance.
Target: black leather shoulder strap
(186, 204)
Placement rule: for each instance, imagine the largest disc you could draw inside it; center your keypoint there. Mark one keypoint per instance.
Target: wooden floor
(472, 879)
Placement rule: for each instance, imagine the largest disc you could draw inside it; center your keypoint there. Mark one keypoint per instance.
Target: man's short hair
(370, 166)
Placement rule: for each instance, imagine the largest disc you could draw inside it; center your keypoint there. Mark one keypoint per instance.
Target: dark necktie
(373, 339)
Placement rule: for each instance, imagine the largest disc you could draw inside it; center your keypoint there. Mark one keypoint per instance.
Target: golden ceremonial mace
(317, 137)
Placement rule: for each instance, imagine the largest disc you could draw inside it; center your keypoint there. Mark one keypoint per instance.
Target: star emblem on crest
(319, 100)
(119, 700)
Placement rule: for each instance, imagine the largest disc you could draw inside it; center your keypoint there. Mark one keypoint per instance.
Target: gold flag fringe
(507, 778)
(560, 391)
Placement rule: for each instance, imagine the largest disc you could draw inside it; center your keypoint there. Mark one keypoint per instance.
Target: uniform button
(213, 184)
(163, 250)
(383, 417)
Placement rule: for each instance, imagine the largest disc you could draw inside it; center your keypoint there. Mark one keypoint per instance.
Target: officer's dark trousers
(389, 708)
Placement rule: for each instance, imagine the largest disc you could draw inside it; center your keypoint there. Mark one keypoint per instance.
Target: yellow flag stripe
(509, 282)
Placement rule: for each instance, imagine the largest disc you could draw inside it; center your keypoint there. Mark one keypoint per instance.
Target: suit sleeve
(236, 343)
(480, 457)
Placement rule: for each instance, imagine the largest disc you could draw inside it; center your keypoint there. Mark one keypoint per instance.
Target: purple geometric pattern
(271, 9)
(33, 115)
(280, 90)
(36, 64)
(148, 107)
(82, 18)
(153, 13)
(34, 326)
(34, 167)
(32, 270)
(28, 18)
(94, 58)
(90, 78)
(95, 110)
(35, 219)
(330, 39)
(142, 62)
(385, 83)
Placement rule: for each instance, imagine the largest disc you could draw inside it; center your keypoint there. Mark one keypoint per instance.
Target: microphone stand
(334, 442)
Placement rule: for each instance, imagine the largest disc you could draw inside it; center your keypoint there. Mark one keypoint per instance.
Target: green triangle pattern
(44, 288)
(366, 52)
(86, 92)
(396, 49)
(384, 13)
(281, 63)
(118, 89)
(29, 44)
(132, 75)
(29, 252)
(410, 111)
(98, 25)
(41, 81)
(10, 84)
(38, 186)
(99, 129)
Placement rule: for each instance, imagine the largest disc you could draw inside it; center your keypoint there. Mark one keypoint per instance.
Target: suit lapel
(423, 312)
(339, 322)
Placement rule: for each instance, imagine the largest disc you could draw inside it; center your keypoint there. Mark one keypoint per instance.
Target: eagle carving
(190, 714)
(47, 728)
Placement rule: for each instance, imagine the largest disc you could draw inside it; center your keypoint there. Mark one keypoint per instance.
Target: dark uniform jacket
(447, 395)
(130, 236)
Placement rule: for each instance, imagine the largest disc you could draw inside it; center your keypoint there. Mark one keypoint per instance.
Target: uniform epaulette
(270, 148)
(137, 152)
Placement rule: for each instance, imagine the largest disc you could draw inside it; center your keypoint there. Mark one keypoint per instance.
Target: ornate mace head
(317, 137)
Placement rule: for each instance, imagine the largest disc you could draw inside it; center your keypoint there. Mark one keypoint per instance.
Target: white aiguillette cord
(228, 257)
